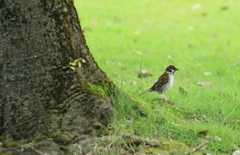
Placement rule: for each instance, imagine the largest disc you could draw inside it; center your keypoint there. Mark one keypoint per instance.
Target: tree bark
(41, 97)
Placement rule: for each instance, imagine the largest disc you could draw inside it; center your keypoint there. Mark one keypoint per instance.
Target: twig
(80, 149)
(196, 148)
(37, 150)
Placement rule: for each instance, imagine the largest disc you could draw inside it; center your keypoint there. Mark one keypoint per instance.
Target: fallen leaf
(196, 6)
(233, 65)
(204, 132)
(190, 28)
(123, 68)
(207, 73)
(224, 8)
(214, 35)
(143, 74)
(204, 13)
(204, 83)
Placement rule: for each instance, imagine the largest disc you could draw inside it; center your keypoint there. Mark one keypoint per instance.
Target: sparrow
(165, 81)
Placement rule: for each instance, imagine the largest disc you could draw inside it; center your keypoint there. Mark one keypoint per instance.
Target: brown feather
(163, 79)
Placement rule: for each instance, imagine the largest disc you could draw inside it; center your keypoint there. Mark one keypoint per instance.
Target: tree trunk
(41, 97)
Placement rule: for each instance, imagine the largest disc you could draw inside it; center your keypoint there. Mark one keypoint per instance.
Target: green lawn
(201, 38)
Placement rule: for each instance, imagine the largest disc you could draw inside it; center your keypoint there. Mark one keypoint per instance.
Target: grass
(197, 37)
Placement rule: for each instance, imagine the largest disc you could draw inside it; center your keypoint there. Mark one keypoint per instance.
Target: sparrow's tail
(143, 92)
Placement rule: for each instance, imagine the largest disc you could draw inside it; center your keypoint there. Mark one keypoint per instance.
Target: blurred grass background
(201, 38)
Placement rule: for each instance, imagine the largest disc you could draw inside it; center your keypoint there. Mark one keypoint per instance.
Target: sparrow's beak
(176, 69)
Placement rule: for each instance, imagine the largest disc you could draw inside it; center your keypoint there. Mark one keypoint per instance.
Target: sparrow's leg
(163, 97)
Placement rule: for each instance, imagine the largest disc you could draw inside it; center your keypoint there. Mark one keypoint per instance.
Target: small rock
(237, 152)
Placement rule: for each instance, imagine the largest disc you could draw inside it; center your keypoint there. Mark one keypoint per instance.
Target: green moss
(11, 144)
(173, 145)
(10, 153)
(61, 138)
(166, 147)
(96, 89)
(136, 100)
(100, 88)
(1, 138)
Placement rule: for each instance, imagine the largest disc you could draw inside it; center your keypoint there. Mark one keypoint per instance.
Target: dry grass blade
(204, 83)
(36, 150)
(196, 148)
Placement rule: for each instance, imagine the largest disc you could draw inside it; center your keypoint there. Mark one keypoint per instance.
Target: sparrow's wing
(163, 79)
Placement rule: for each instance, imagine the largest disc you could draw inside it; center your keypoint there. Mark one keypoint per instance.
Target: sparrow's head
(171, 69)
